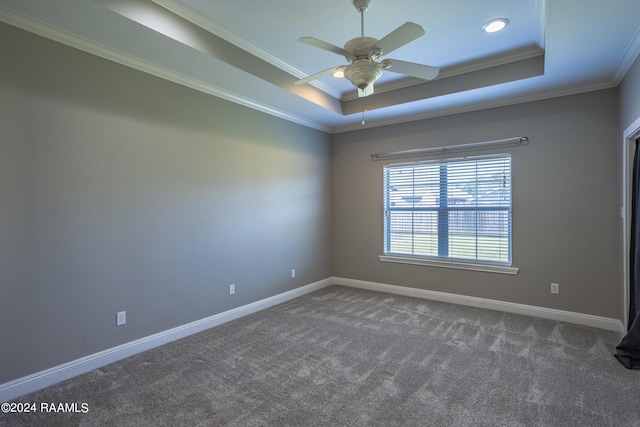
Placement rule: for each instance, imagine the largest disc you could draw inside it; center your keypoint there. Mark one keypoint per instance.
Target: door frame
(630, 135)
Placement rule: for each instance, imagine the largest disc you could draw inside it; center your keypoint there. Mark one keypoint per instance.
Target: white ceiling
(246, 51)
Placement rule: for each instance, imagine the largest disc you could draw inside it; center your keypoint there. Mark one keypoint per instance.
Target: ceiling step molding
(470, 107)
(33, 25)
(50, 32)
(207, 24)
(483, 77)
(459, 69)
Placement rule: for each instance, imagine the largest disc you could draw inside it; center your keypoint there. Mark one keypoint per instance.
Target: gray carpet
(348, 357)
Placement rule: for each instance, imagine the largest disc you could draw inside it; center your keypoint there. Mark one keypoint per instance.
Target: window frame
(443, 209)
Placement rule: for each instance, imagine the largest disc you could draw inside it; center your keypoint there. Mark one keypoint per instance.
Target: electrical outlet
(232, 289)
(293, 272)
(121, 318)
(555, 288)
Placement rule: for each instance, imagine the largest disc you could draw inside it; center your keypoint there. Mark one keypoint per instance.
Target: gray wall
(120, 191)
(566, 223)
(630, 95)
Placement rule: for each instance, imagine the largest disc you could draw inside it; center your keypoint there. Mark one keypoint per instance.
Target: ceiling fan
(362, 53)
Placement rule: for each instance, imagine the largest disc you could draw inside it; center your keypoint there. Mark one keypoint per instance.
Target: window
(451, 210)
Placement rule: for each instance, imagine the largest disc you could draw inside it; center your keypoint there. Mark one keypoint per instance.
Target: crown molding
(40, 28)
(521, 54)
(631, 53)
(207, 24)
(94, 48)
(537, 96)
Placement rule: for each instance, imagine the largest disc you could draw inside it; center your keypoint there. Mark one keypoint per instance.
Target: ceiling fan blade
(425, 72)
(402, 35)
(326, 46)
(317, 75)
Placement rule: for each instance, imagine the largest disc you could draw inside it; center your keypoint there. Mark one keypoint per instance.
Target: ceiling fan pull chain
(364, 108)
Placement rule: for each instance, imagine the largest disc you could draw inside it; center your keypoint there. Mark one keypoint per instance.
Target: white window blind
(454, 209)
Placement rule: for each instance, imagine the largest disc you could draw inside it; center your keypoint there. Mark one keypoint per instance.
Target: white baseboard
(509, 307)
(39, 380)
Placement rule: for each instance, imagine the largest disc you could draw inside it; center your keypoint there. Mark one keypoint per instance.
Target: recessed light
(339, 73)
(495, 25)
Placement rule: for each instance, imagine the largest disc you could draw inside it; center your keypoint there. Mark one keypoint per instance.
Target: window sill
(461, 265)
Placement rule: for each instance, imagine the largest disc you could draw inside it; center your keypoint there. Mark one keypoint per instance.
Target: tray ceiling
(247, 50)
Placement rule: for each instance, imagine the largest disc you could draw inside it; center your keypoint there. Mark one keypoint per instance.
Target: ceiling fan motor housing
(361, 48)
(363, 73)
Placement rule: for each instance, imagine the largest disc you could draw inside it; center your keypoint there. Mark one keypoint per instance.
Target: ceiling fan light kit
(363, 53)
(339, 73)
(363, 73)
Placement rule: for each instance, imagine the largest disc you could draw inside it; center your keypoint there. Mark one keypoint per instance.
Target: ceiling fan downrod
(361, 6)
